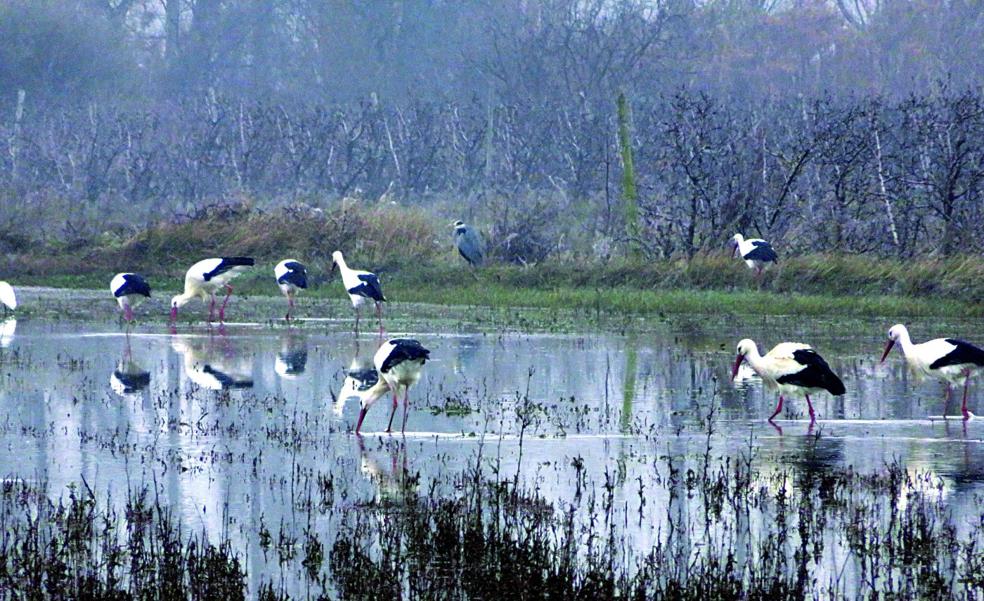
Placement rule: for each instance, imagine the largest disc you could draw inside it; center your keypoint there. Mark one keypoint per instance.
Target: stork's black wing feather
(762, 252)
(369, 287)
(815, 373)
(366, 378)
(225, 380)
(965, 353)
(228, 263)
(296, 275)
(133, 284)
(404, 349)
(133, 382)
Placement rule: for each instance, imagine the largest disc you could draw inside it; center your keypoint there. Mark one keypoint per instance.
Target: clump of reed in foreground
(743, 536)
(76, 549)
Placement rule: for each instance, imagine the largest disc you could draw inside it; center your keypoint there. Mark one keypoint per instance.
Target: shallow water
(243, 429)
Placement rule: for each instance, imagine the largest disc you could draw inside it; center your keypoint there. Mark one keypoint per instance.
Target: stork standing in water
(292, 278)
(7, 297)
(949, 359)
(129, 289)
(207, 277)
(757, 253)
(399, 362)
(469, 243)
(793, 368)
(361, 286)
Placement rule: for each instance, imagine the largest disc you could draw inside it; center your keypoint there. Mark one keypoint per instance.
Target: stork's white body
(777, 363)
(7, 296)
(195, 284)
(949, 359)
(361, 286)
(202, 282)
(756, 252)
(399, 362)
(793, 368)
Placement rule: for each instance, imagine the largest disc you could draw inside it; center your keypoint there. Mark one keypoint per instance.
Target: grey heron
(469, 242)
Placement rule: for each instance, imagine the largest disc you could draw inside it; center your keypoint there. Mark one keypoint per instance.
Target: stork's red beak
(888, 349)
(174, 314)
(734, 370)
(362, 416)
(734, 250)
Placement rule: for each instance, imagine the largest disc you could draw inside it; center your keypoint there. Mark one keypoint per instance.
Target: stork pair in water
(796, 369)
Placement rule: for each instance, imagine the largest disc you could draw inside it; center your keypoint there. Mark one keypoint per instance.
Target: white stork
(757, 253)
(399, 362)
(7, 297)
(949, 359)
(129, 289)
(361, 286)
(292, 278)
(793, 368)
(205, 278)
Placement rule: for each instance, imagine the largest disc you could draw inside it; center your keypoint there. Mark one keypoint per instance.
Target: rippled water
(235, 426)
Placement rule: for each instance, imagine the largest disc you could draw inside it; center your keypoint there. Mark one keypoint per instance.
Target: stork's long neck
(342, 265)
(755, 360)
(906, 343)
(372, 395)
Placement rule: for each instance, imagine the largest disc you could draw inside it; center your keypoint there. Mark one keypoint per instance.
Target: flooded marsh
(538, 460)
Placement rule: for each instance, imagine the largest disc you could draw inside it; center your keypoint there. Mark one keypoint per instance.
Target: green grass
(415, 259)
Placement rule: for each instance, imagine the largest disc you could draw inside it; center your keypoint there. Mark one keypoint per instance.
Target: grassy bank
(417, 262)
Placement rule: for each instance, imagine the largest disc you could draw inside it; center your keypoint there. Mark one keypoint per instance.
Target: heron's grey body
(470, 244)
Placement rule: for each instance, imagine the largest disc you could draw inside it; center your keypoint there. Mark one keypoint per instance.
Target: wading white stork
(949, 359)
(129, 289)
(399, 362)
(757, 253)
(7, 297)
(292, 278)
(793, 368)
(205, 278)
(361, 286)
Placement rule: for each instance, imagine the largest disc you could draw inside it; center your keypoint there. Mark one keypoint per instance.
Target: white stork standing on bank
(949, 359)
(399, 362)
(361, 286)
(7, 297)
(129, 290)
(292, 278)
(205, 278)
(757, 253)
(793, 368)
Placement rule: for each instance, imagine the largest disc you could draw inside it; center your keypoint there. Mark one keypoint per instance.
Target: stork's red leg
(225, 302)
(379, 318)
(211, 309)
(813, 416)
(778, 409)
(946, 399)
(963, 407)
(389, 428)
(406, 403)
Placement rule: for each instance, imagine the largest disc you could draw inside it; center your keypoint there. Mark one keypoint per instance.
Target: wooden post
(630, 195)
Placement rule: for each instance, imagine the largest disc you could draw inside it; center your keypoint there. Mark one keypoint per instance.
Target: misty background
(847, 125)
